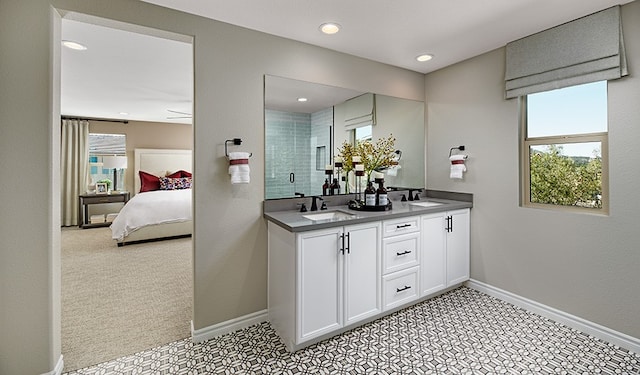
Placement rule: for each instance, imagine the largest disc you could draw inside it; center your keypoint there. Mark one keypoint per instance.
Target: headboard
(159, 161)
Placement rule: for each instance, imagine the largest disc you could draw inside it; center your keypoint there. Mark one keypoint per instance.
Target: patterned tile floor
(461, 332)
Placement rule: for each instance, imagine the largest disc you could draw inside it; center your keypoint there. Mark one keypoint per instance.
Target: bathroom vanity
(330, 271)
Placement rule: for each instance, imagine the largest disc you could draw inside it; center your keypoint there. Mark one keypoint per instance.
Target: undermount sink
(427, 204)
(329, 215)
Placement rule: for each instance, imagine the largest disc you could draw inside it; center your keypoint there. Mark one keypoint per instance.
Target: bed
(155, 214)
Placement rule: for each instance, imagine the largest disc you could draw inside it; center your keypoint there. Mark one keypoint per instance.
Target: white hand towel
(239, 167)
(393, 171)
(457, 166)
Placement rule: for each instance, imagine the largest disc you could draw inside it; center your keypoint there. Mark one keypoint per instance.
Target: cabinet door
(458, 247)
(362, 259)
(433, 259)
(319, 296)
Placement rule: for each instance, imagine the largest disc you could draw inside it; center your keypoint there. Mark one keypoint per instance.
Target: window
(362, 133)
(101, 145)
(564, 148)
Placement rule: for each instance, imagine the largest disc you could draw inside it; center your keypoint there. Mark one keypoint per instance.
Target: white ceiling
(123, 71)
(138, 74)
(395, 32)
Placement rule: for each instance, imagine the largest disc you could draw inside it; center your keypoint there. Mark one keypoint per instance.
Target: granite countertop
(294, 220)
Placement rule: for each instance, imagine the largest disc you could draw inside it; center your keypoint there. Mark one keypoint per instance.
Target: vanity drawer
(400, 226)
(400, 252)
(400, 287)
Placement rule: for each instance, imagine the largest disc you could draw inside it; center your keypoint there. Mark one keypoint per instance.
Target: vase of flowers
(375, 156)
(346, 153)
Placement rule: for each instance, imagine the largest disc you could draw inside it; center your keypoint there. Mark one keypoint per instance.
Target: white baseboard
(235, 324)
(583, 325)
(58, 369)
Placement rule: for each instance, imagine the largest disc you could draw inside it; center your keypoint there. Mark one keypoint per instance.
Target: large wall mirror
(305, 124)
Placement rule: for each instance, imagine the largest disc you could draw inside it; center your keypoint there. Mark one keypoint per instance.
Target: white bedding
(152, 207)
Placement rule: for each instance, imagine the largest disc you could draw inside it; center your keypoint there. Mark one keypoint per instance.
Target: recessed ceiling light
(124, 113)
(425, 57)
(330, 28)
(302, 100)
(73, 45)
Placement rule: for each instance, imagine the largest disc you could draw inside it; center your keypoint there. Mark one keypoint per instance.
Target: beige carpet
(121, 300)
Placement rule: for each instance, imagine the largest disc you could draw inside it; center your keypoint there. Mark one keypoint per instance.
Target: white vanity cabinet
(400, 261)
(445, 250)
(323, 280)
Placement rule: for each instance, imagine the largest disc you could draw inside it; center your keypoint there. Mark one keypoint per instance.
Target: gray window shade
(360, 111)
(588, 49)
(107, 144)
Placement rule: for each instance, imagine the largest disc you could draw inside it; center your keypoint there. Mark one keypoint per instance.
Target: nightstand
(87, 199)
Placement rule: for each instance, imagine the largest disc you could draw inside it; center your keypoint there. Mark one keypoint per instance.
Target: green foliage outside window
(562, 180)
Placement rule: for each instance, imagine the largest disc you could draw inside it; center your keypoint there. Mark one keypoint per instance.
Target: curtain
(74, 167)
(586, 50)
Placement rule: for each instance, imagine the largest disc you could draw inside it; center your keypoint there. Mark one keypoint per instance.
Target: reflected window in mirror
(362, 134)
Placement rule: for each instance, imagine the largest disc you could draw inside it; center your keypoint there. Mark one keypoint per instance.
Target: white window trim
(525, 173)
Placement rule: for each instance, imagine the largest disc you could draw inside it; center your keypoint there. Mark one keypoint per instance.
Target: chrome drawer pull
(403, 253)
(398, 290)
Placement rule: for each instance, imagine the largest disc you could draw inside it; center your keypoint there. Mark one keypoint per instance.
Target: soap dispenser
(325, 187)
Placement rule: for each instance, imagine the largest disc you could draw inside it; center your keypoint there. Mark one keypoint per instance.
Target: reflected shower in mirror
(305, 123)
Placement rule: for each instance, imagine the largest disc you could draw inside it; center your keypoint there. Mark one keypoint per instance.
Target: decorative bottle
(381, 195)
(325, 187)
(335, 187)
(370, 195)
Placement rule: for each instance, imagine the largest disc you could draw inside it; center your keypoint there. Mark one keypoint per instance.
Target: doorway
(118, 301)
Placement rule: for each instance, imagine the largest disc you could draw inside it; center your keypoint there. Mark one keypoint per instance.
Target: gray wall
(230, 233)
(586, 265)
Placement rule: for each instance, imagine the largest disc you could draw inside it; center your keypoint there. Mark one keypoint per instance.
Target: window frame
(525, 163)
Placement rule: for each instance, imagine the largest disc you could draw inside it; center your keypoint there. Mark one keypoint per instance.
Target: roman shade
(360, 111)
(107, 144)
(588, 49)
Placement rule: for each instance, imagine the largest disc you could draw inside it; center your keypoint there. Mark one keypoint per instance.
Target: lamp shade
(118, 162)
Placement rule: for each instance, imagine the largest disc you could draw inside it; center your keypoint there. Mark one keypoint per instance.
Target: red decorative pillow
(148, 182)
(179, 174)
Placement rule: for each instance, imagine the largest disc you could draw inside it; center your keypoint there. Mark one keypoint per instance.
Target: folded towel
(239, 167)
(458, 157)
(393, 170)
(239, 155)
(457, 166)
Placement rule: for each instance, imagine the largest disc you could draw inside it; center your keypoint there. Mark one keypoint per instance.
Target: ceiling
(147, 77)
(282, 94)
(134, 73)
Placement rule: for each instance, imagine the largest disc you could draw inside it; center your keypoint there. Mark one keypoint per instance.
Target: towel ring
(459, 148)
(237, 142)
